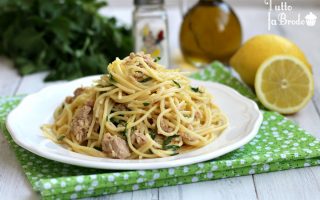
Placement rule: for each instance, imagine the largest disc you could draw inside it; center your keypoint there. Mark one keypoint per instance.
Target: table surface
(291, 184)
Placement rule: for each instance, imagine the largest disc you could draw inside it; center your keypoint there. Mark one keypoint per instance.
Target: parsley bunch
(66, 37)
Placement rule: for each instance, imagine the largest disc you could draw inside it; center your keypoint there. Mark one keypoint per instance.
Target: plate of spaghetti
(138, 115)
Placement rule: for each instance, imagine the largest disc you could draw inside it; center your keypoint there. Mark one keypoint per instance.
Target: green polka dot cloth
(279, 145)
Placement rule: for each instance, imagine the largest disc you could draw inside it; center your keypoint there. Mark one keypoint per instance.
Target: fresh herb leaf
(125, 132)
(61, 137)
(146, 103)
(146, 80)
(186, 115)
(175, 82)
(157, 59)
(171, 147)
(116, 121)
(98, 148)
(168, 140)
(195, 89)
(176, 153)
(69, 39)
(112, 120)
(152, 133)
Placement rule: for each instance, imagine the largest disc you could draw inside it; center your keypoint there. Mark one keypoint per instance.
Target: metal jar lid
(148, 2)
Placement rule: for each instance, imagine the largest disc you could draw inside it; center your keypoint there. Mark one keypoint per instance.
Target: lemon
(256, 50)
(284, 84)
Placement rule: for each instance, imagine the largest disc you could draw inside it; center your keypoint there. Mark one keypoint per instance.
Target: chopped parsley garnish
(195, 89)
(146, 103)
(61, 137)
(98, 148)
(171, 147)
(168, 140)
(116, 121)
(152, 133)
(157, 59)
(125, 132)
(177, 84)
(145, 80)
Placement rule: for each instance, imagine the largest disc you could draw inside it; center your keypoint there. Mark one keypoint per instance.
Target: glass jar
(210, 31)
(150, 29)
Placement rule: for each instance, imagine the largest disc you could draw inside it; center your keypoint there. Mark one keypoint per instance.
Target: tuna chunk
(81, 122)
(119, 107)
(69, 99)
(146, 57)
(139, 76)
(198, 115)
(164, 123)
(138, 138)
(186, 137)
(77, 92)
(115, 146)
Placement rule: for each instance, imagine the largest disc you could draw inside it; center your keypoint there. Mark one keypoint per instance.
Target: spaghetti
(137, 110)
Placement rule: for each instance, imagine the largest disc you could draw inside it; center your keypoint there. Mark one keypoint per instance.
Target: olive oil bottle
(210, 31)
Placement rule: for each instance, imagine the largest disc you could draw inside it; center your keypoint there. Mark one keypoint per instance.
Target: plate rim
(142, 165)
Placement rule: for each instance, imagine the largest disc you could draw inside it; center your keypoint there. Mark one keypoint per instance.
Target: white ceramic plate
(36, 109)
